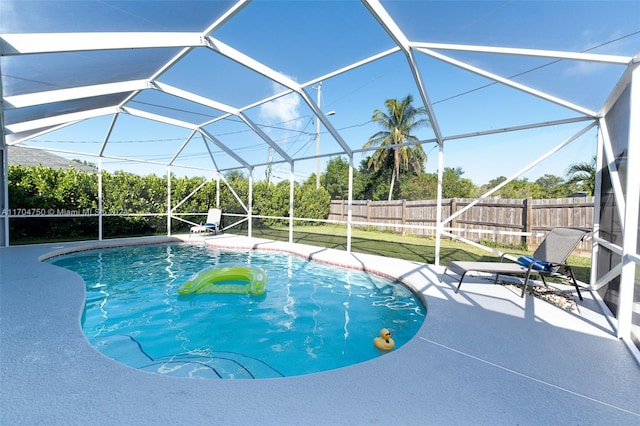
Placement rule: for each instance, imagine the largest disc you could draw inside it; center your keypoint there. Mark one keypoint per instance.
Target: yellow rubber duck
(384, 342)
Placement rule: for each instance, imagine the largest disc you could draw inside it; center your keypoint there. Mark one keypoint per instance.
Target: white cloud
(285, 109)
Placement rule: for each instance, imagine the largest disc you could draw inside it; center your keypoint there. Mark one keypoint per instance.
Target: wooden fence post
(527, 219)
(404, 216)
(454, 209)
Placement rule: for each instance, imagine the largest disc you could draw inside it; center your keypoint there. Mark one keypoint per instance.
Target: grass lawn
(394, 245)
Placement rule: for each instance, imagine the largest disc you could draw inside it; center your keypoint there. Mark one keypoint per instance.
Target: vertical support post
(100, 201)
(4, 204)
(350, 204)
(169, 212)
(102, 148)
(318, 137)
(439, 225)
(595, 247)
(250, 212)
(291, 199)
(632, 196)
(217, 190)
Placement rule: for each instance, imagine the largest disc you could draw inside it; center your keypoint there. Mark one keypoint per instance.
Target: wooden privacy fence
(491, 214)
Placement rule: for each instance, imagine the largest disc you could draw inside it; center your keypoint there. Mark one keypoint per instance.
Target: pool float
(384, 342)
(228, 279)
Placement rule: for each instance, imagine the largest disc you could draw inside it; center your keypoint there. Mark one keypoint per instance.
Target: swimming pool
(313, 317)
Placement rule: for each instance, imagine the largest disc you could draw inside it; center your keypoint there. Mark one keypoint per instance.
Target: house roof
(34, 157)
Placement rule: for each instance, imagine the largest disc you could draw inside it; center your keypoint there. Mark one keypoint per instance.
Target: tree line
(369, 184)
(395, 170)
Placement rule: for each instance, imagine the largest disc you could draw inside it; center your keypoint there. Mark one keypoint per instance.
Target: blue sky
(305, 40)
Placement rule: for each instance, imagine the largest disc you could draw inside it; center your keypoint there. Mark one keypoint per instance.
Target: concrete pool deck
(483, 356)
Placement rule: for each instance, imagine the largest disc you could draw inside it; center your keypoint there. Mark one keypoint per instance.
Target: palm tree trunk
(395, 172)
(393, 181)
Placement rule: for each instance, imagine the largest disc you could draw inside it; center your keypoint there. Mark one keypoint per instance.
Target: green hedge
(37, 192)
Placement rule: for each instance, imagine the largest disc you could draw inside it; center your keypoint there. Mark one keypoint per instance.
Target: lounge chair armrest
(557, 266)
(504, 255)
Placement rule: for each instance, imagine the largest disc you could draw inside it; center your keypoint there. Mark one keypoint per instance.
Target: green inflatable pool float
(228, 279)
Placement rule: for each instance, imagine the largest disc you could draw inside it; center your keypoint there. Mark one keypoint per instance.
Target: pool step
(214, 365)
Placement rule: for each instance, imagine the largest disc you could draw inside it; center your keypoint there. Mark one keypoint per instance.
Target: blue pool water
(313, 317)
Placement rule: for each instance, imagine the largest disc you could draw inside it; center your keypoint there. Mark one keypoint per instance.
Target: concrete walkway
(484, 356)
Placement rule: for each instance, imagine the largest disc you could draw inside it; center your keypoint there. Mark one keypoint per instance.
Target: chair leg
(544, 281)
(575, 283)
(460, 283)
(526, 282)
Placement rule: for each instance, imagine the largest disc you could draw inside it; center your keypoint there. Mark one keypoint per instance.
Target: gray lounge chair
(549, 260)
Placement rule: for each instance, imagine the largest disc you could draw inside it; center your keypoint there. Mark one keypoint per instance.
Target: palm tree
(398, 122)
(583, 175)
